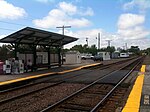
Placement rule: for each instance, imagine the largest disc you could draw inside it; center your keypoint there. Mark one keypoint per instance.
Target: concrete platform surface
(145, 98)
(139, 98)
(65, 68)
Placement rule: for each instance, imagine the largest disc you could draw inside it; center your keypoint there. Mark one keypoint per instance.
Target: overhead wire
(12, 23)
(7, 29)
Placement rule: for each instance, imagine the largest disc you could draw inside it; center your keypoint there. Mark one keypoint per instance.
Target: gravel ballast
(39, 100)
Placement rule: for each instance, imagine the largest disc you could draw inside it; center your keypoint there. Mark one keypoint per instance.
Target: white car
(87, 57)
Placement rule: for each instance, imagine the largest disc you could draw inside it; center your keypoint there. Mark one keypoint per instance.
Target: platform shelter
(34, 38)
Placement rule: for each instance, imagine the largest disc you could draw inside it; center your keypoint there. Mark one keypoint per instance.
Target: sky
(121, 21)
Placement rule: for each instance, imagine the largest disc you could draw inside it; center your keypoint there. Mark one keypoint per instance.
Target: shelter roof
(35, 36)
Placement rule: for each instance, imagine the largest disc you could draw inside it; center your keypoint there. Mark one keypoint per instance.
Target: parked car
(87, 57)
(124, 55)
(98, 58)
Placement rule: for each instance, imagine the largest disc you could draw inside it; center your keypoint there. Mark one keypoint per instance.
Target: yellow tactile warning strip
(75, 69)
(25, 78)
(133, 102)
(46, 74)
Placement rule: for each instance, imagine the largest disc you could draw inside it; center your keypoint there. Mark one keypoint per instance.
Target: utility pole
(63, 28)
(126, 46)
(63, 32)
(109, 42)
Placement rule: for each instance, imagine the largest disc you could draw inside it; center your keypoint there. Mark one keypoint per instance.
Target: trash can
(1, 68)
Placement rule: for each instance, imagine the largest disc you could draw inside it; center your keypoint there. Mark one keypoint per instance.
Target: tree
(148, 51)
(93, 50)
(77, 48)
(85, 49)
(110, 49)
(6, 52)
(135, 50)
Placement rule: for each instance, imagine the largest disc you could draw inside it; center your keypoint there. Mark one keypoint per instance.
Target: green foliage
(92, 49)
(6, 52)
(135, 50)
(85, 49)
(110, 49)
(147, 51)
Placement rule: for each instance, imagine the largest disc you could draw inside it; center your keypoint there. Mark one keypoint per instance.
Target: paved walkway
(139, 98)
(63, 69)
(145, 98)
(8, 79)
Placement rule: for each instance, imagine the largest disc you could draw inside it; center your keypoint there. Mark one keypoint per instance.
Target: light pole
(63, 32)
(87, 41)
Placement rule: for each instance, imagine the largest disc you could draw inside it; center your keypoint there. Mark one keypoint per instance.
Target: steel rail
(34, 91)
(114, 88)
(80, 90)
(27, 93)
(31, 84)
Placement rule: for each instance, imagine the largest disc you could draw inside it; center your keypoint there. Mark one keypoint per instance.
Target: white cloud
(88, 12)
(117, 40)
(64, 14)
(142, 43)
(130, 20)
(68, 8)
(134, 33)
(141, 4)
(9, 11)
(45, 1)
(91, 35)
(130, 26)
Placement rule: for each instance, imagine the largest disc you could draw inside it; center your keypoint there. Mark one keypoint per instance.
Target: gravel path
(37, 101)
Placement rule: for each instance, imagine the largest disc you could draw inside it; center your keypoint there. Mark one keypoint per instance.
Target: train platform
(8, 79)
(139, 98)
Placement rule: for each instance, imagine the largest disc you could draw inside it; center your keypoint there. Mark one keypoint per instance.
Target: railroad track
(67, 77)
(38, 82)
(38, 90)
(32, 83)
(89, 98)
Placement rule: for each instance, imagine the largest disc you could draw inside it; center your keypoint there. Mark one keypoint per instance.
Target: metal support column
(59, 56)
(16, 49)
(34, 57)
(49, 62)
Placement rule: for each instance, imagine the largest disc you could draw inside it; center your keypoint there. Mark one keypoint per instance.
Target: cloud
(65, 14)
(68, 8)
(130, 20)
(9, 11)
(117, 40)
(88, 12)
(141, 4)
(134, 33)
(45, 1)
(130, 26)
(142, 43)
(83, 34)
